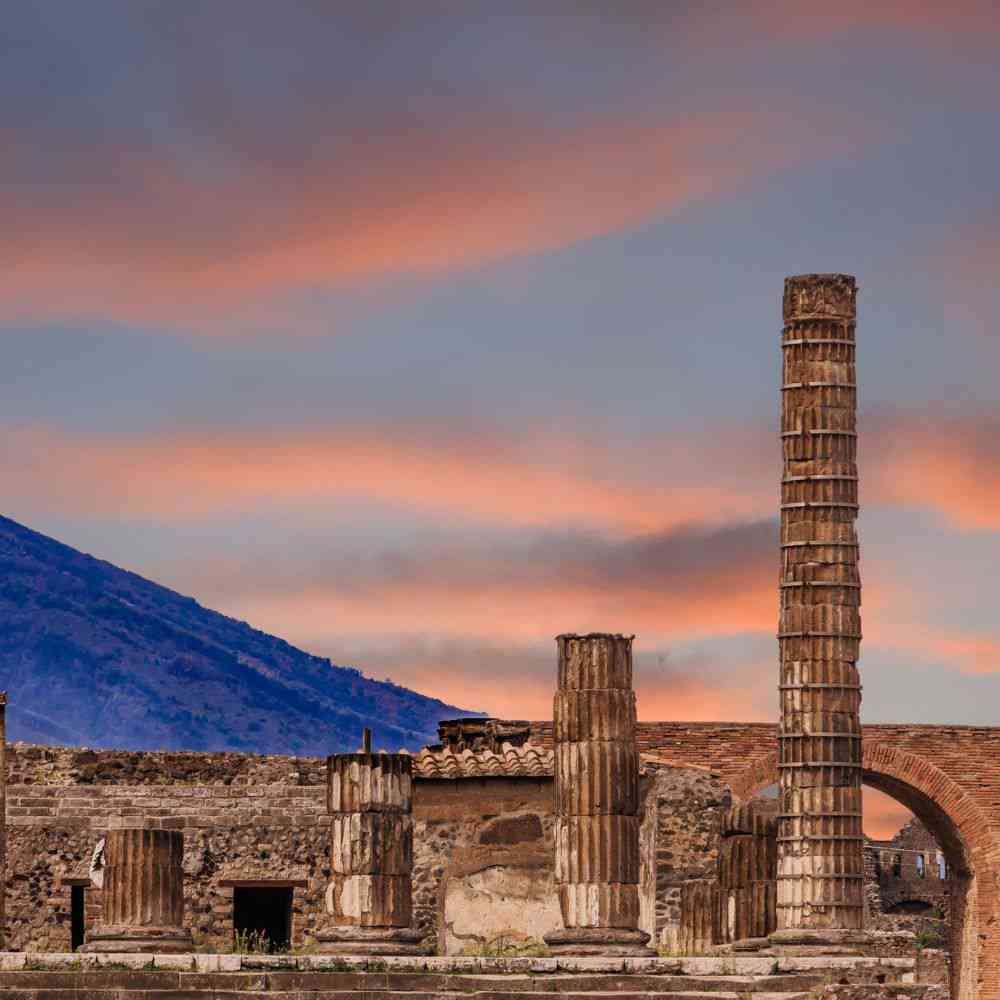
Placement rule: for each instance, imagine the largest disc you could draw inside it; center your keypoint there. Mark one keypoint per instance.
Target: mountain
(92, 655)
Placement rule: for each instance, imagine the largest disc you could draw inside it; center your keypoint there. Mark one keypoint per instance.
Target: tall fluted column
(143, 894)
(371, 855)
(820, 841)
(597, 799)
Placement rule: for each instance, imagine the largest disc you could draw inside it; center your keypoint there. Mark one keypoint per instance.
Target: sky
(417, 334)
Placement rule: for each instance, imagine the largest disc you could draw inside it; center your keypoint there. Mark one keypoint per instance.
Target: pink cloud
(540, 480)
(162, 244)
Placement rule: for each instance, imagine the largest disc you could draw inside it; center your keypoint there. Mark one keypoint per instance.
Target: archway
(965, 838)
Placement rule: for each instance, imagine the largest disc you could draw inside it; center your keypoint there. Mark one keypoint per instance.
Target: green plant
(929, 939)
(256, 943)
(509, 944)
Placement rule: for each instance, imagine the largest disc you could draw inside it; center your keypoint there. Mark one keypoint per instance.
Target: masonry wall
(911, 885)
(244, 818)
(482, 847)
(463, 831)
(687, 804)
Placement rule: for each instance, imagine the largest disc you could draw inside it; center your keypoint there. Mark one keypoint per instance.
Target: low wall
(483, 849)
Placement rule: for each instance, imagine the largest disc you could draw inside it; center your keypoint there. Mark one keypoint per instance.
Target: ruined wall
(687, 804)
(244, 818)
(914, 883)
(478, 844)
(482, 847)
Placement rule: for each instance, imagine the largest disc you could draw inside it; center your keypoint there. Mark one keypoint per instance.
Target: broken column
(371, 855)
(699, 916)
(143, 895)
(746, 876)
(597, 799)
(820, 841)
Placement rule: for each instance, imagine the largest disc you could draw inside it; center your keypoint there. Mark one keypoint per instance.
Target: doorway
(77, 915)
(262, 917)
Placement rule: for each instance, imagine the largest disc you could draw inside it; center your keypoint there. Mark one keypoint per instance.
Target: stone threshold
(731, 965)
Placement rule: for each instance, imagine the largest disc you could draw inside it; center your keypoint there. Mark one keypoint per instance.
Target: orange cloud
(942, 463)
(725, 473)
(516, 680)
(163, 244)
(971, 653)
(883, 815)
(542, 481)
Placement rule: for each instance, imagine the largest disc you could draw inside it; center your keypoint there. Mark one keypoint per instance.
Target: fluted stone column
(746, 876)
(371, 855)
(597, 799)
(143, 895)
(820, 841)
(699, 906)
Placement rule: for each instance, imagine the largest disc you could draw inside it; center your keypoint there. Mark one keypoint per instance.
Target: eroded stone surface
(500, 907)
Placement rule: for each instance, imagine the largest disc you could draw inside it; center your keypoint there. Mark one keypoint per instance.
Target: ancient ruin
(371, 854)
(596, 799)
(695, 852)
(143, 893)
(820, 840)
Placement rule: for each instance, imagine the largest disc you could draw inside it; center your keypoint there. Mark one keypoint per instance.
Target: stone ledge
(732, 965)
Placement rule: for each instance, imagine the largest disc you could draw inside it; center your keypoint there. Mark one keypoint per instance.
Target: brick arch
(966, 839)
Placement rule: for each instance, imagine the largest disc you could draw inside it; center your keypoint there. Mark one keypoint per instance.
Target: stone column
(371, 855)
(820, 841)
(699, 905)
(746, 877)
(597, 799)
(143, 895)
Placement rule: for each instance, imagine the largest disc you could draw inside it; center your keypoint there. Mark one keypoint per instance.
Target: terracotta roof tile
(529, 760)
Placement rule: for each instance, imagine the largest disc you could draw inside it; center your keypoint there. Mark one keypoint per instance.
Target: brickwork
(946, 775)
(910, 867)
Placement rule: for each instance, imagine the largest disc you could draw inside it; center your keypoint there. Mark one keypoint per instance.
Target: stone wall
(916, 883)
(480, 847)
(483, 847)
(688, 805)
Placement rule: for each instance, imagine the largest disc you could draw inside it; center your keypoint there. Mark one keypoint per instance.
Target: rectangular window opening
(262, 917)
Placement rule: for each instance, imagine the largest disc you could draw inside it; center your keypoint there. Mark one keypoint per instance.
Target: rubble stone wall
(250, 818)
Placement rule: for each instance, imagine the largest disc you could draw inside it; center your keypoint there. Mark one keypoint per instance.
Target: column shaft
(596, 798)
(143, 895)
(371, 855)
(820, 839)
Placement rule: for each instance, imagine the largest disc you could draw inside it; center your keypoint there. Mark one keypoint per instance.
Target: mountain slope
(94, 655)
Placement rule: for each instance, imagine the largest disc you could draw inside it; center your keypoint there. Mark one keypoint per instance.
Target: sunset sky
(417, 333)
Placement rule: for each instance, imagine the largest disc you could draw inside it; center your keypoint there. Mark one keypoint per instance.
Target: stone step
(90, 993)
(127, 980)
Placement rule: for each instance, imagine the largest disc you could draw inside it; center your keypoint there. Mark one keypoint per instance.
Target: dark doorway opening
(910, 906)
(262, 917)
(77, 914)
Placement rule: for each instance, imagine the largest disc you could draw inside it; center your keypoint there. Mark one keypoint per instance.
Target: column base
(352, 940)
(611, 941)
(749, 945)
(136, 940)
(808, 942)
